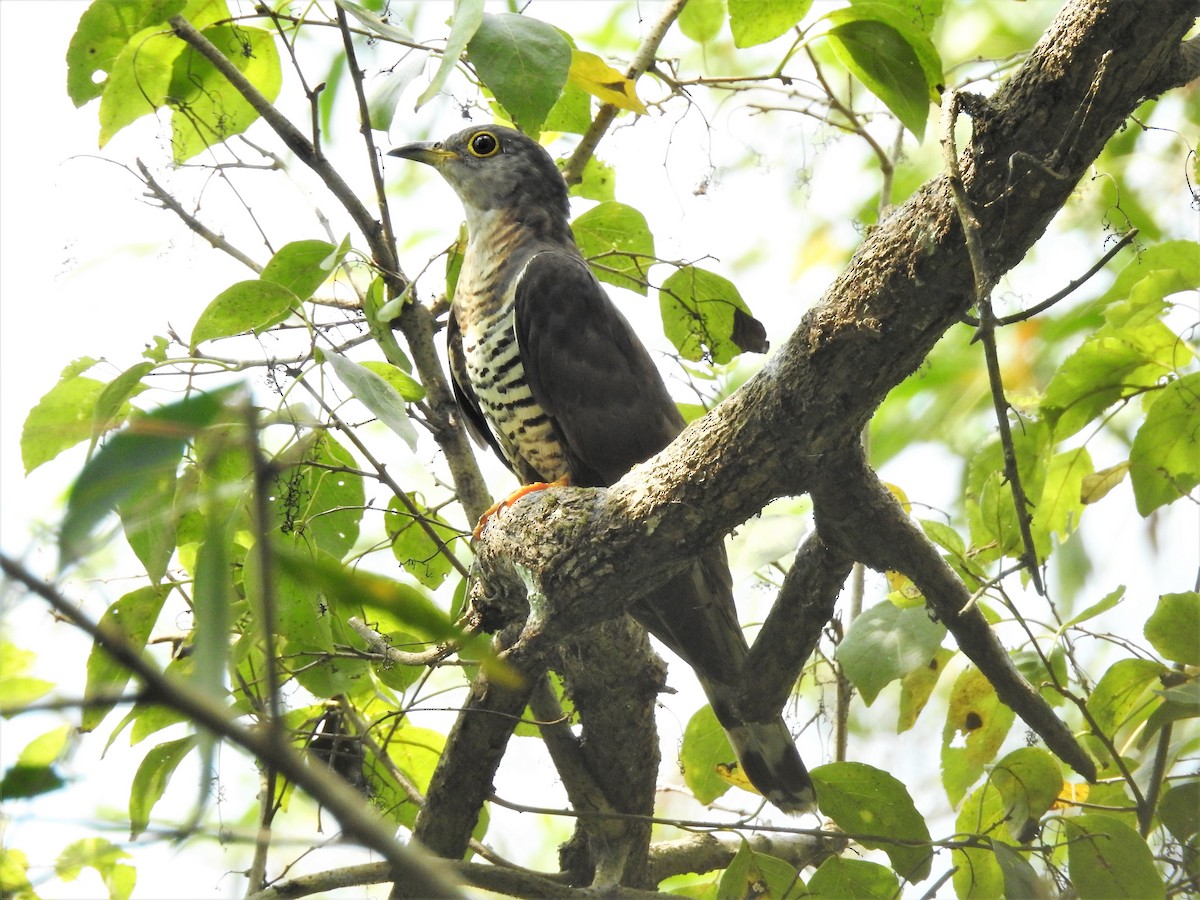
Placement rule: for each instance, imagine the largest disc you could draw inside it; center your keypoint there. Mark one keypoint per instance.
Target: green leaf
(1060, 507)
(917, 686)
(377, 394)
(704, 316)
(212, 603)
(886, 643)
(61, 419)
(465, 21)
(1155, 273)
(1182, 702)
(415, 752)
(14, 875)
(414, 549)
(102, 33)
(148, 520)
(571, 112)
(524, 63)
(384, 100)
(246, 306)
(599, 182)
(132, 617)
(894, 59)
(991, 512)
(304, 623)
(976, 725)
(139, 80)
(103, 856)
(34, 772)
(112, 406)
(1110, 600)
(863, 800)
(1164, 462)
(395, 606)
(922, 14)
(405, 385)
(151, 779)
(758, 21)
(701, 20)
(842, 878)
(617, 243)
(977, 872)
(373, 307)
(320, 500)
(1174, 627)
(1020, 878)
(302, 266)
(1115, 362)
(18, 691)
(1029, 781)
(1106, 858)
(752, 874)
(136, 455)
(373, 23)
(208, 109)
(1122, 695)
(705, 746)
(1179, 809)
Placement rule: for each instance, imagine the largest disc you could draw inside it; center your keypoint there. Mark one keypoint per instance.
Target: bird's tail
(694, 615)
(767, 756)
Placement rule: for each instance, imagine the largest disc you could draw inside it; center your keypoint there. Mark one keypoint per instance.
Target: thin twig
(364, 114)
(163, 196)
(573, 171)
(1062, 294)
(987, 334)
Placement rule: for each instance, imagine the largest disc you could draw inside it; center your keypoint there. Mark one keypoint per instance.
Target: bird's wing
(468, 403)
(588, 370)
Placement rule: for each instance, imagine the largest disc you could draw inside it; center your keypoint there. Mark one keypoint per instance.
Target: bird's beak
(429, 153)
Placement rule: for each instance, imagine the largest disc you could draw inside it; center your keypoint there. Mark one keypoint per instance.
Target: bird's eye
(484, 145)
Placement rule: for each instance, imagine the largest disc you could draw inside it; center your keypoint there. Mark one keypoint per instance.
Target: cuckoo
(551, 376)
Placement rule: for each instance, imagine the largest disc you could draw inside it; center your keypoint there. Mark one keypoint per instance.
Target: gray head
(496, 168)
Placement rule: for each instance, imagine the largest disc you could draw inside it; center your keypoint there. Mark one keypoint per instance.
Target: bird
(550, 375)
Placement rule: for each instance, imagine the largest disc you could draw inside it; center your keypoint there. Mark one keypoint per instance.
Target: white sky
(87, 269)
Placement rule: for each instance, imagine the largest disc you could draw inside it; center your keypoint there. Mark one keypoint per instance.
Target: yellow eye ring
(483, 145)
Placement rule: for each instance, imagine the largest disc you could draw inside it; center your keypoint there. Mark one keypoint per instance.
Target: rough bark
(584, 555)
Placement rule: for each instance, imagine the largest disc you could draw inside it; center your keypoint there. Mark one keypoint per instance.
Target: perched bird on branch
(551, 376)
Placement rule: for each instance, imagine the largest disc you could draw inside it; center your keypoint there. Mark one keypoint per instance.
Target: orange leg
(516, 495)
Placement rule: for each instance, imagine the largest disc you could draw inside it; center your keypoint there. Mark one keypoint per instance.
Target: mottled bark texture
(582, 556)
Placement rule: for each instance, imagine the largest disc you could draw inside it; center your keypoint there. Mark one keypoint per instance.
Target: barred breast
(484, 304)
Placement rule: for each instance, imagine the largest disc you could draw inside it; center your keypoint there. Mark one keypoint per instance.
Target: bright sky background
(85, 268)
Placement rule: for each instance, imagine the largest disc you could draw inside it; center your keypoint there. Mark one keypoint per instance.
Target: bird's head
(494, 168)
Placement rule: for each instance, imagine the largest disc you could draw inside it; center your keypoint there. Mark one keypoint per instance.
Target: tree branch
(792, 629)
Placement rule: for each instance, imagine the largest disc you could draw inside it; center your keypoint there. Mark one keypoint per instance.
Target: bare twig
(1065, 292)
(984, 279)
(163, 196)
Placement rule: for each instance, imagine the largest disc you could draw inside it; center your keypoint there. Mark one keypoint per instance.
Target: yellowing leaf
(731, 773)
(1072, 794)
(898, 493)
(1095, 487)
(599, 79)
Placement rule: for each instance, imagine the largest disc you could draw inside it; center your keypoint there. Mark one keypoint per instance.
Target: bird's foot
(516, 495)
